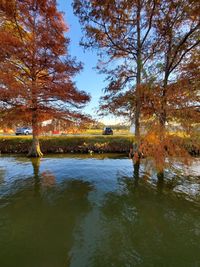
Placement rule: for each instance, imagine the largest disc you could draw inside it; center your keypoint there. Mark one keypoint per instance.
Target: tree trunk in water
(138, 93)
(35, 150)
(160, 176)
(162, 133)
(160, 182)
(136, 170)
(162, 130)
(136, 152)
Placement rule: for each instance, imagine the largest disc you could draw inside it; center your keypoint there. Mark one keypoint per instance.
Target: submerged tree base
(160, 175)
(35, 150)
(136, 167)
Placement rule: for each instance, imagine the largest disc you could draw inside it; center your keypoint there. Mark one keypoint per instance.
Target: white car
(23, 131)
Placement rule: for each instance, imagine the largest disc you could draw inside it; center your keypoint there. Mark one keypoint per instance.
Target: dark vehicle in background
(23, 131)
(107, 131)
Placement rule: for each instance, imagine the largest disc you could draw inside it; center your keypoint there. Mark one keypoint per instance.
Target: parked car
(23, 131)
(107, 131)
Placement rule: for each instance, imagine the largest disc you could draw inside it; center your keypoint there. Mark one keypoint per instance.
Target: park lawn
(99, 132)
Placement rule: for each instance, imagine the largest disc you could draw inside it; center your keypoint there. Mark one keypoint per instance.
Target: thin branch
(150, 23)
(179, 61)
(182, 42)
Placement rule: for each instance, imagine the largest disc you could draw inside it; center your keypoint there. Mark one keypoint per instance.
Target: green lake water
(92, 211)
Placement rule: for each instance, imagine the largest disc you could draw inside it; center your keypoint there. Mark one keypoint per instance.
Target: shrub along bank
(80, 144)
(68, 144)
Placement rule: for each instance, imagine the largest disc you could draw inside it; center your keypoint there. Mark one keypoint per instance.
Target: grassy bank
(68, 144)
(81, 144)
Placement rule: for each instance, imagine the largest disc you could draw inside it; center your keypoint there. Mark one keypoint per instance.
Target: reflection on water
(82, 212)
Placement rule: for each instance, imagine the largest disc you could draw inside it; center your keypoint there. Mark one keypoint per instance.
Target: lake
(89, 211)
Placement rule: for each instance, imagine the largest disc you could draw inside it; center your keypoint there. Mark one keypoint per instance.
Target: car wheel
(26, 133)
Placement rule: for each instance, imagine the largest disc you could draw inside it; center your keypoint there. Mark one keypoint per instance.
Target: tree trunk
(35, 150)
(35, 147)
(136, 171)
(162, 122)
(163, 112)
(137, 117)
(162, 134)
(138, 93)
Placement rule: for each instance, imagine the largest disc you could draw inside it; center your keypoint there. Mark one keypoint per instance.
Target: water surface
(91, 211)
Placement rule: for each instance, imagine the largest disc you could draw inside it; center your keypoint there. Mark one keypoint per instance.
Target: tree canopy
(36, 70)
(149, 51)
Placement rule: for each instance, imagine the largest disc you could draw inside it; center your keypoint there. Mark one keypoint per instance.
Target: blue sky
(88, 80)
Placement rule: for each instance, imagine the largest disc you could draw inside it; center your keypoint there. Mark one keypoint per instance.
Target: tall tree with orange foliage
(178, 28)
(131, 34)
(173, 97)
(36, 70)
(122, 32)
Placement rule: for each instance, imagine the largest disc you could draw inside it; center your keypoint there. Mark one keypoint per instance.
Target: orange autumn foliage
(36, 70)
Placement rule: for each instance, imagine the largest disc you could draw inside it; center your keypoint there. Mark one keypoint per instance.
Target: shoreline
(79, 144)
(67, 144)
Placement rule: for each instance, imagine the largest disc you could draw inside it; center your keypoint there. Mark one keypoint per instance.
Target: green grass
(59, 144)
(99, 132)
(83, 144)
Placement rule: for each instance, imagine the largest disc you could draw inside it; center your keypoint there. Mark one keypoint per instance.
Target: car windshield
(23, 128)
